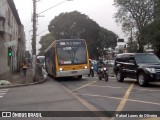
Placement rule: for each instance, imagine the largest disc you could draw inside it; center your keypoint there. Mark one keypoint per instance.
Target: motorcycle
(102, 73)
(91, 71)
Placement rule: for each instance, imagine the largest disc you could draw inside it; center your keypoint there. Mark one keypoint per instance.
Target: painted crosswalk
(3, 92)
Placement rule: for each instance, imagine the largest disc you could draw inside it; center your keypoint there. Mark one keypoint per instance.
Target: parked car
(145, 67)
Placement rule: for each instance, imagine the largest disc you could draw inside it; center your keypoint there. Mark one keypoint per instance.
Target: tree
(132, 46)
(151, 34)
(45, 41)
(134, 15)
(107, 39)
(76, 25)
(156, 9)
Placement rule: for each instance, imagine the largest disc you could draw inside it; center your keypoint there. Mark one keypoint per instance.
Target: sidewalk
(18, 79)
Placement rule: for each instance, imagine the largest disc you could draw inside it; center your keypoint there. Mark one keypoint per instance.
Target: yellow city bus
(66, 58)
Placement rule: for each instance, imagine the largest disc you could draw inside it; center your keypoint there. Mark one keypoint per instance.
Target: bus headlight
(60, 69)
(85, 67)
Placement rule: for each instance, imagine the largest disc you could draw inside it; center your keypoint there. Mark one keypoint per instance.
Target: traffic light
(10, 52)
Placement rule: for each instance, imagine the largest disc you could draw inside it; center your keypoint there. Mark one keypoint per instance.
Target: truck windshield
(72, 55)
(147, 58)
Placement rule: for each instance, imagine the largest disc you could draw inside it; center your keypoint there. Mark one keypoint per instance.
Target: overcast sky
(101, 11)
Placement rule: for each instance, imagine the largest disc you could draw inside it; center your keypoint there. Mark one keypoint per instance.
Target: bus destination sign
(75, 43)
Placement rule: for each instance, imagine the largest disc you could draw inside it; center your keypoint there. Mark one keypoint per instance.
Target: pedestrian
(24, 67)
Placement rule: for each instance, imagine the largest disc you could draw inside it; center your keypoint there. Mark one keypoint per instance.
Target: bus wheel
(80, 76)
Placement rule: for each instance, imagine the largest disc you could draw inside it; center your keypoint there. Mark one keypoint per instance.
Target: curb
(26, 84)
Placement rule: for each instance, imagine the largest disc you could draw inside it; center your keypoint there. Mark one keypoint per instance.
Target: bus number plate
(73, 72)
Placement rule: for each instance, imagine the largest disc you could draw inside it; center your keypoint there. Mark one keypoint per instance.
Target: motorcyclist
(91, 68)
(100, 64)
(102, 70)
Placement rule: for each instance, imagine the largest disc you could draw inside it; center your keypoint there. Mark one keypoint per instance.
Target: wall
(10, 32)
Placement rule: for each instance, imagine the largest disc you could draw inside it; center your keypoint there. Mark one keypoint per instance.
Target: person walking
(24, 67)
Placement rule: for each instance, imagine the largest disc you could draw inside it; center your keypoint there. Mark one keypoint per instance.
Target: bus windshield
(72, 55)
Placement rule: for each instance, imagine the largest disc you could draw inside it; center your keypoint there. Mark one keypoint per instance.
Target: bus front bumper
(72, 73)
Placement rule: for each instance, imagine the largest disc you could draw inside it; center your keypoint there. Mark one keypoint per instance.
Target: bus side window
(53, 55)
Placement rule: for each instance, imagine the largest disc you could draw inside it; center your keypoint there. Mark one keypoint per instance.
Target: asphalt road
(86, 94)
(47, 96)
(114, 96)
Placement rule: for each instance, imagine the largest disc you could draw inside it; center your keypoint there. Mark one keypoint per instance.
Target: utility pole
(34, 39)
(35, 15)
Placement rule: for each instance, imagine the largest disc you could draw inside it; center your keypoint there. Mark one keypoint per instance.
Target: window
(147, 58)
(72, 55)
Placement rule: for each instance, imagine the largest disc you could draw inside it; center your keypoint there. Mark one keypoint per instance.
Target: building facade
(12, 37)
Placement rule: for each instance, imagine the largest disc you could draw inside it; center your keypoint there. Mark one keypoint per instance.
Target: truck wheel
(119, 76)
(142, 81)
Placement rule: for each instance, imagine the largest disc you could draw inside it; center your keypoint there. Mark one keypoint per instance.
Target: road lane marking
(87, 104)
(3, 92)
(84, 86)
(104, 86)
(140, 101)
(99, 96)
(4, 89)
(154, 90)
(124, 99)
(91, 95)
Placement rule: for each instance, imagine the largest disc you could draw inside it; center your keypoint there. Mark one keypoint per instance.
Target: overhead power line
(53, 6)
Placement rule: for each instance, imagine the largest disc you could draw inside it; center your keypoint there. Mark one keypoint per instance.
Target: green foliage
(107, 39)
(157, 9)
(132, 46)
(151, 34)
(45, 41)
(77, 25)
(133, 15)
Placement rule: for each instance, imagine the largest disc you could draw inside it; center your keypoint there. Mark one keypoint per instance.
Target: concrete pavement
(17, 79)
